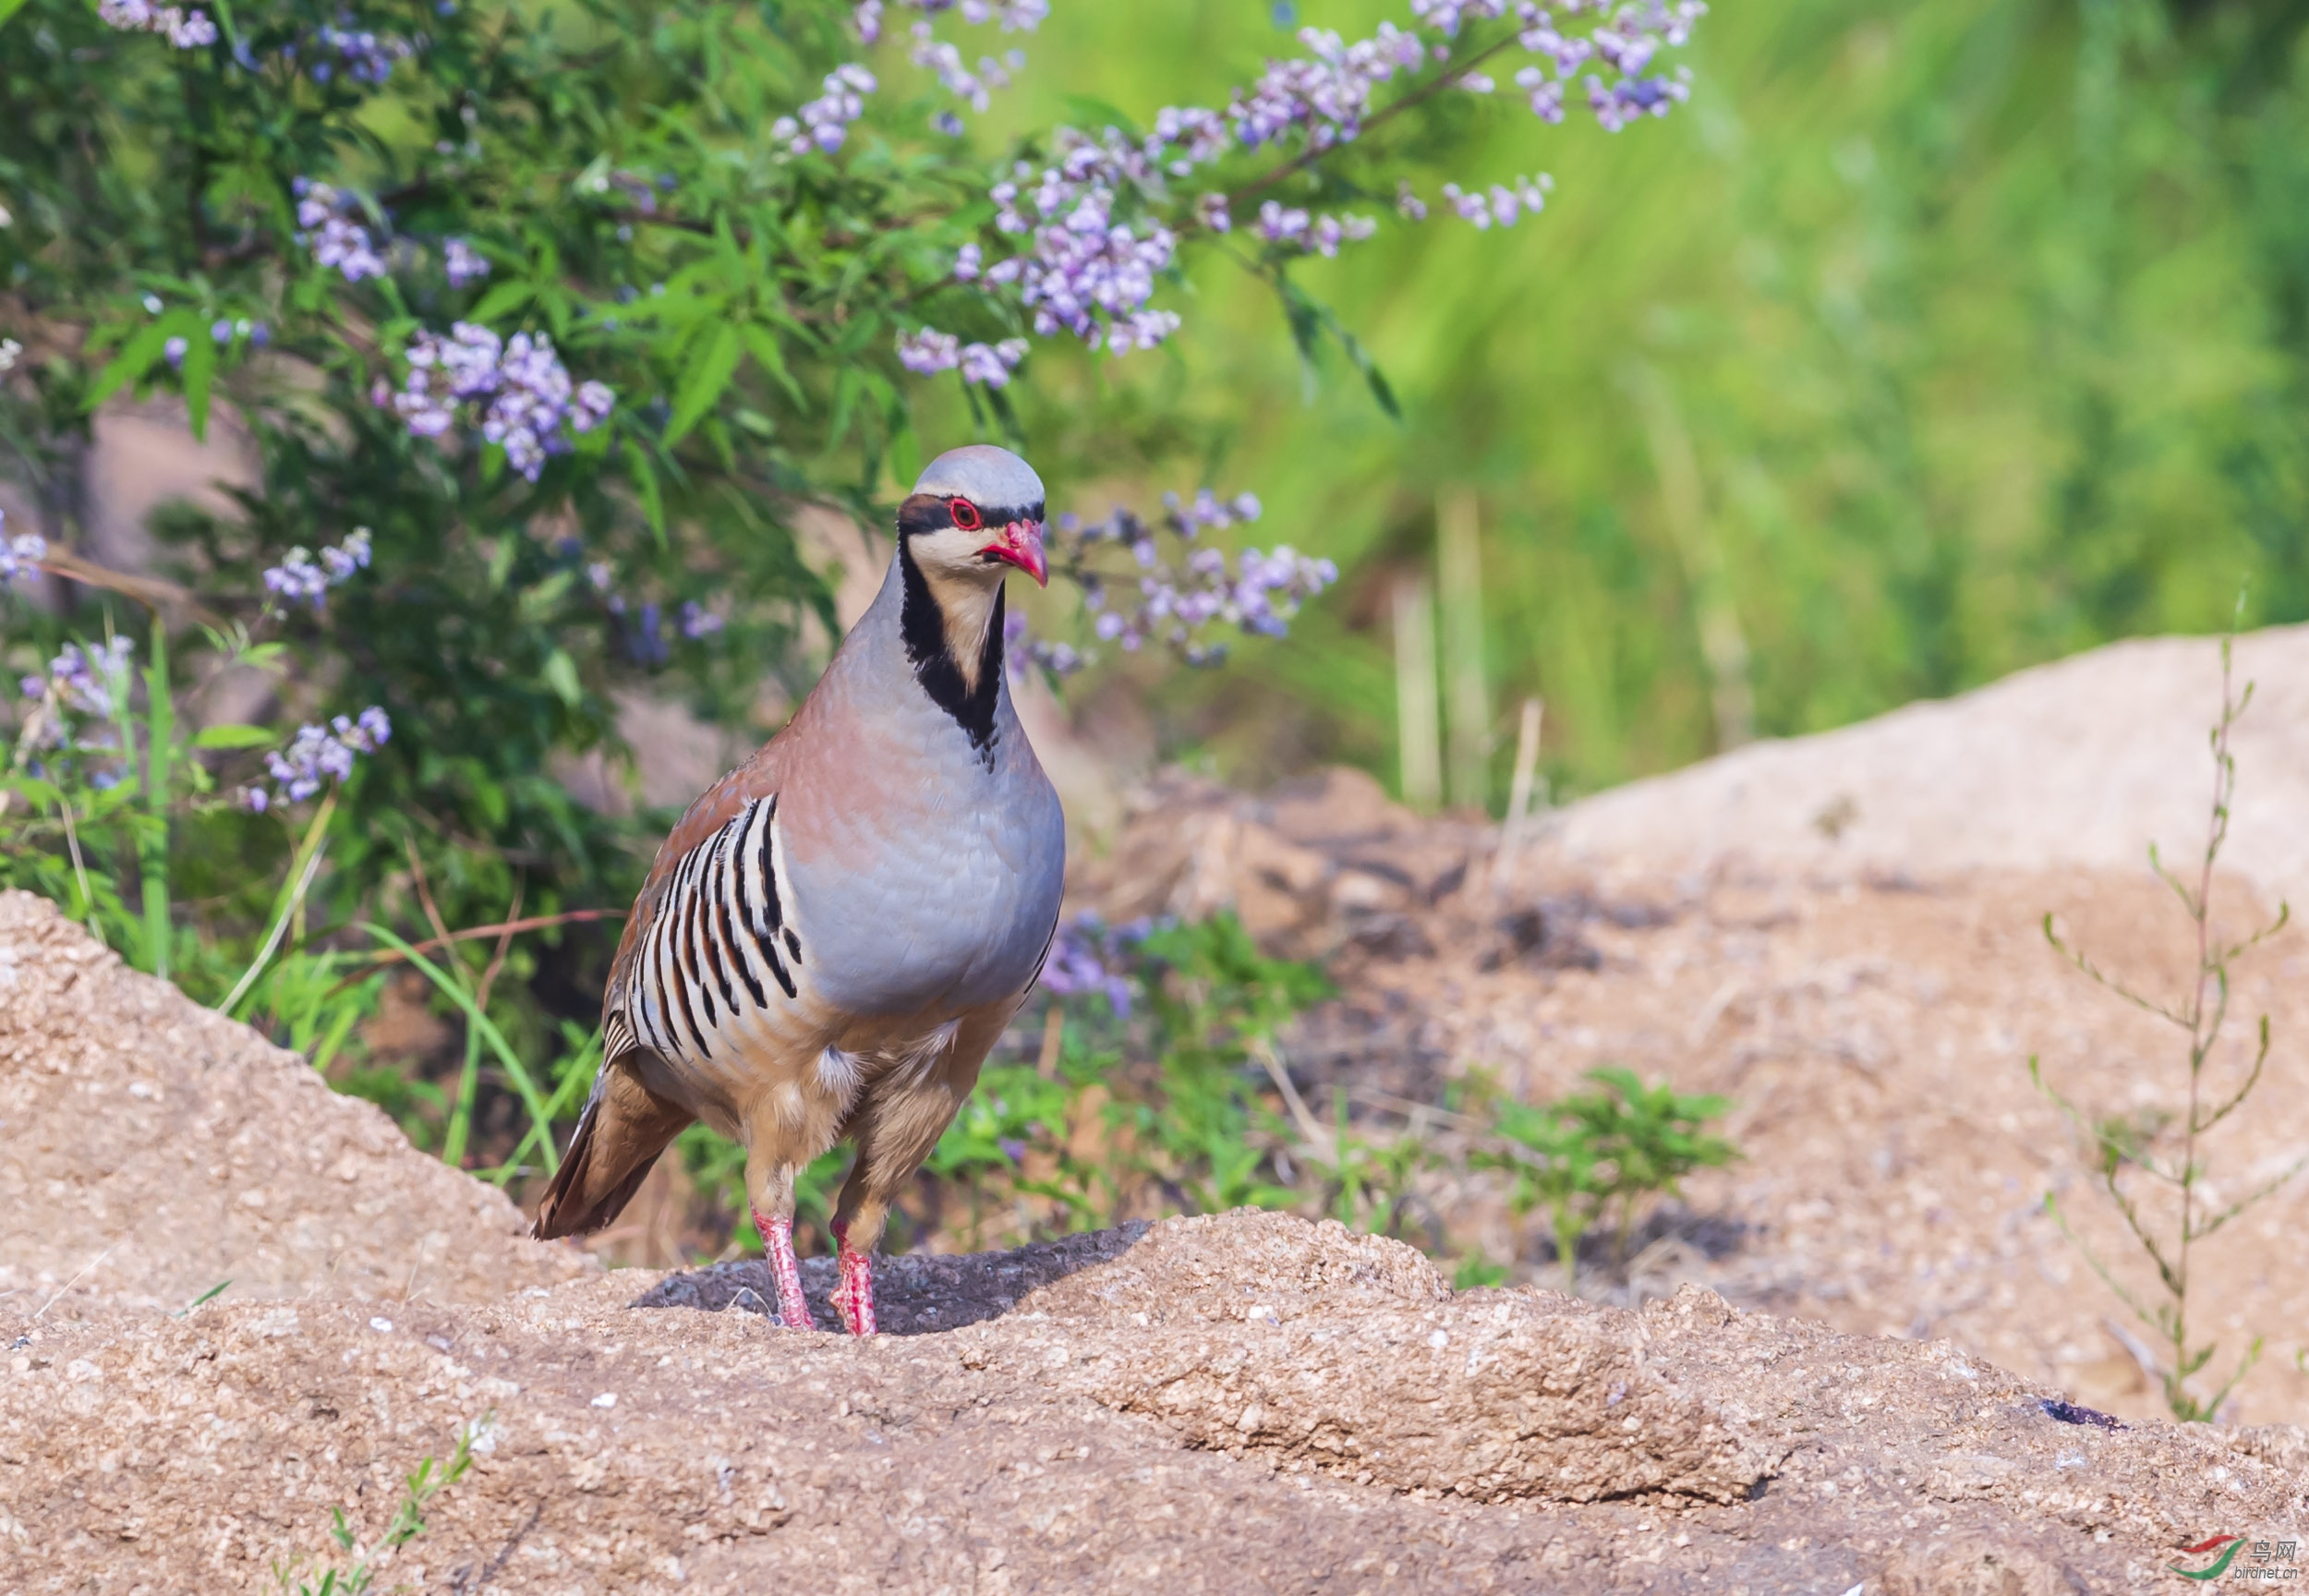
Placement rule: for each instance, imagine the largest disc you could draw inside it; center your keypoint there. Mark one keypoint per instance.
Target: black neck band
(922, 626)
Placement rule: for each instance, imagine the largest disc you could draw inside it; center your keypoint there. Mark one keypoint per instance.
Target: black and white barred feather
(719, 951)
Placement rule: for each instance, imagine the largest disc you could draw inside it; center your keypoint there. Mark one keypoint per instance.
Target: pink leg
(793, 1309)
(853, 1297)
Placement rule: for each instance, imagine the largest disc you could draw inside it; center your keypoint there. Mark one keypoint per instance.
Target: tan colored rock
(151, 1148)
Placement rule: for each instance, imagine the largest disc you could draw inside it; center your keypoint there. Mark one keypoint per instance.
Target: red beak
(1021, 545)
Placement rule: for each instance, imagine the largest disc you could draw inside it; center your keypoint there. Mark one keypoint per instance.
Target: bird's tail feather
(624, 1127)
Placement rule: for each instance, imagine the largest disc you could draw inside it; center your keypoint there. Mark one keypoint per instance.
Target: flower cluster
(320, 755)
(1503, 204)
(1628, 41)
(1325, 94)
(1444, 16)
(1015, 15)
(88, 684)
(825, 122)
(1087, 956)
(20, 555)
(365, 57)
(1023, 652)
(1294, 229)
(299, 579)
(1084, 271)
(334, 239)
(92, 681)
(519, 391)
(931, 351)
(945, 60)
(1176, 602)
(697, 621)
(465, 264)
(185, 29)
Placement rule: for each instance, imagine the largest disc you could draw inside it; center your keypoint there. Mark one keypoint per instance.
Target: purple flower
(1323, 96)
(91, 679)
(221, 331)
(698, 622)
(320, 754)
(300, 579)
(20, 555)
(929, 351)
(824, 123)
(465, 264)
(968, 262)
(992, 362)
(1255, 592)
(1444, 16)
(516, 392)
(365, 57)
(1083, 272)
(185, 30)
(1278, 224)
(867, 18)
(1502, 204)
(946, 61)
(174, 351)
(1086, 957)
(329, 233)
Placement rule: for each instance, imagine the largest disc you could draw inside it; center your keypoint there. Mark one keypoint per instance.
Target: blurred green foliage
(1984, 326)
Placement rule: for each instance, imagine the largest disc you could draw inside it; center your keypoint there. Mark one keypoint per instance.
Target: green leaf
(646, 484)
(763, 344)
(561, 675)
(199, 372)
(9, 8)
(709, 374)
(235, 736)
(498, 301)
(133, 361)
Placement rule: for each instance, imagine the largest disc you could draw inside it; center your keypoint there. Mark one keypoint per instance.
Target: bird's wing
(626, 1124)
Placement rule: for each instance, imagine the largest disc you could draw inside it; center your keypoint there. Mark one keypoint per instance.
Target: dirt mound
(2082, 762)
(1243, 1402)
(1873, 1032)
(151, 1148)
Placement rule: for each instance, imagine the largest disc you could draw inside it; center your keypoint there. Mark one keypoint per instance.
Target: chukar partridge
(839, 929)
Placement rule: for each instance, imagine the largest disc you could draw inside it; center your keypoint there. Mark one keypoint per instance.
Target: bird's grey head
(974, 512)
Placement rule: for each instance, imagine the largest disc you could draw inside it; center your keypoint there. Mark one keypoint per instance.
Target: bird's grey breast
(931, 882)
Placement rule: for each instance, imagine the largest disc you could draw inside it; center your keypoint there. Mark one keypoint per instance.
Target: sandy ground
(1235, 1403)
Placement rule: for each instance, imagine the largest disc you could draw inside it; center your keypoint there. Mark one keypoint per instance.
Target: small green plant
(1601, 1157)
(1217, 1005)
(2159, 1150)
(356, 1570)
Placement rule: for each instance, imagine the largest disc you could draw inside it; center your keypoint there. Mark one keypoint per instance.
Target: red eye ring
(965, 514)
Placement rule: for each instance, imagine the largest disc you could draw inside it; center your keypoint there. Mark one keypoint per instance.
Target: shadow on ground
(914, 1294)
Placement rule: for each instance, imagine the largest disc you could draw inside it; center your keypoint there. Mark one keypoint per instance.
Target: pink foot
(853, 1297)
(793, 1309)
